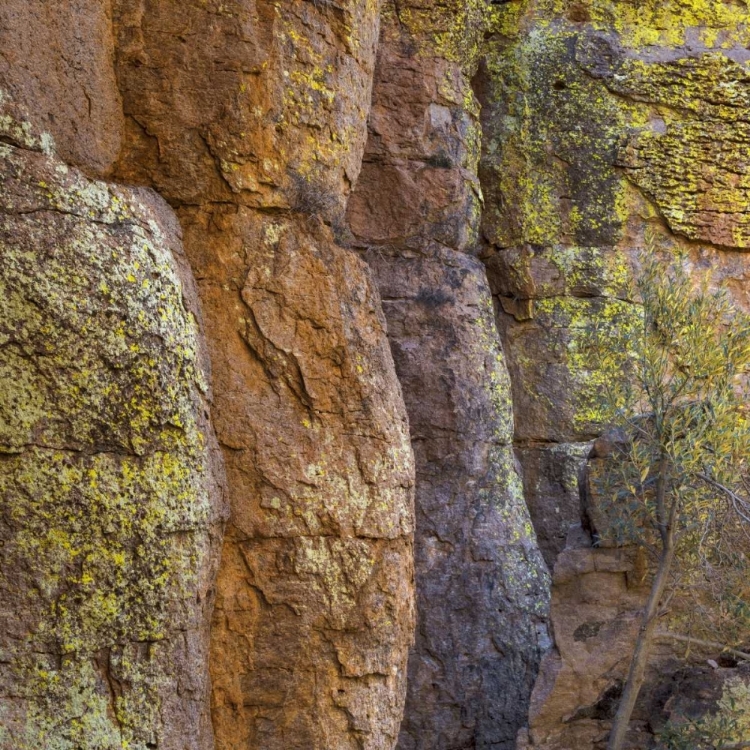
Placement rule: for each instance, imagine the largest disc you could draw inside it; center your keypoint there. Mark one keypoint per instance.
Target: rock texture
(110, 474)
(315, 613)
(388, 206)
(253, 102)
(414, 214)
(56, 61)
(596, 124)
(608, 130)
(251, 118)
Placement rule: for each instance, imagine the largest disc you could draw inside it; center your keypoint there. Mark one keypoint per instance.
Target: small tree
(679, 487)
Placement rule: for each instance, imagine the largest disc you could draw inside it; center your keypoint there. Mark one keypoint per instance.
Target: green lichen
(667, 24)
(452, 30)
(574, 120)
(106, 482)
(693, 166)
(553, 166)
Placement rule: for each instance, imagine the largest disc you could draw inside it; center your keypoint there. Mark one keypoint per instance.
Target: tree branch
(666, 635)
(733, 496)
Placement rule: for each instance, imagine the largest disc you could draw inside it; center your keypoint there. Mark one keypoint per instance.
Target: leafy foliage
(727, 727)
(681, 407)
(678, 483)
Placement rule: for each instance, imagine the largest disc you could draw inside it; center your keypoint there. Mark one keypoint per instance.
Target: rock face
(315, 614)
(596, 127)
(608, 130)
(56, 61)
(481, 582)
(110, 474)
(255, 130)
(401, 217)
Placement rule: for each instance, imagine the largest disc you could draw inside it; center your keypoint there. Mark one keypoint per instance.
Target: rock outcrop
(110, 475)
(609, 131)
(401, 218)
(481, 582)
(251, 118)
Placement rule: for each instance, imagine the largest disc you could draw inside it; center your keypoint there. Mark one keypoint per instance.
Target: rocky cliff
(293, 401)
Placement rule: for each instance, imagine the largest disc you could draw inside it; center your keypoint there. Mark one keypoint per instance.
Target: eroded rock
(251, 117)
(414, 214)
(111, 478)
(56, 61)
(315, 609)
(610, 131)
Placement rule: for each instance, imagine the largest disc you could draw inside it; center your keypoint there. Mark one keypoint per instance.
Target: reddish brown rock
(251, 117)
(56, 61)
(248, 101)
(481, 582)
(314, 614)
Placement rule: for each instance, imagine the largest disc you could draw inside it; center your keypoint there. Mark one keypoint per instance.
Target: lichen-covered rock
(110, 476)
(56, 61)
(606, 130)
(250, 116)
(415, 213)
(610, 129)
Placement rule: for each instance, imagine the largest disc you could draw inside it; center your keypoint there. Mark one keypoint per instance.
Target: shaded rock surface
(110, 474)
(598, 597)
(414, 214)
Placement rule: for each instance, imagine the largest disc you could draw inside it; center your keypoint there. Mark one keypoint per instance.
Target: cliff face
(608, 128)
(251, 119)
(414, 215)
(290, 352)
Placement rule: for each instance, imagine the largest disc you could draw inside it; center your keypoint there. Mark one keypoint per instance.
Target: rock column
(481, 582)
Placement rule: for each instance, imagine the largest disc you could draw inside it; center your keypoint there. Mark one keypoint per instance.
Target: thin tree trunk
(645, 639)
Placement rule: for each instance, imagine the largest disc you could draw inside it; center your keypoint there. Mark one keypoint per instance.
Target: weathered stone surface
(110, 476)
(314, 614)
(597, 596)
(414, 214)
(481, 582)
(552, 231)
(609, 128)
(264, 103)
(56, 61)
(597, 602)
(551, 490)
(251, 117)
(595, 146)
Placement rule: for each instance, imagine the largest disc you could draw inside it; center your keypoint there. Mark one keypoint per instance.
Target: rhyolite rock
(518, 154)
(315, 605)
(250, 117)
(610, 131)
(56, 62)
(110, 475)
(414, 213)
